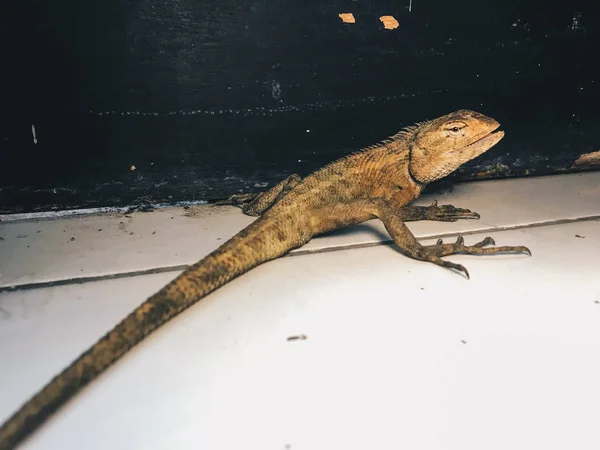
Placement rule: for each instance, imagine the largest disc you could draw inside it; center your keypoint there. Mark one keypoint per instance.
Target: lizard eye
(455, 128)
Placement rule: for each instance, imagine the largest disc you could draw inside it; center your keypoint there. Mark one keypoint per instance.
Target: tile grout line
(93, 278)
(299, 252)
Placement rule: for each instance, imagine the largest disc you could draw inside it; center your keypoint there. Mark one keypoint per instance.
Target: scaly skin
(378, 182)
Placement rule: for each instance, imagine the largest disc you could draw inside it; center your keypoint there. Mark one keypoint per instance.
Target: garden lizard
(376, 182)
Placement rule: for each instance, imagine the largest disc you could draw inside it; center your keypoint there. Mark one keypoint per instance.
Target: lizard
(376, 182)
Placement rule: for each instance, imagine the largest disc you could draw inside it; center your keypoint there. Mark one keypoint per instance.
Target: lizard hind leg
(257, 203)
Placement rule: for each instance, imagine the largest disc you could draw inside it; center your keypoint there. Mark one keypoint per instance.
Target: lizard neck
(421, 184)
(390, 177)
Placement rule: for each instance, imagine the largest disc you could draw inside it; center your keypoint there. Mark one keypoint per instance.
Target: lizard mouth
(484, 143)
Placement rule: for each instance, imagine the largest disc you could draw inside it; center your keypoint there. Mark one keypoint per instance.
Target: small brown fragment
(72, 239)
(347, 17)
(298, 337)
(579, 236)
(389, 22)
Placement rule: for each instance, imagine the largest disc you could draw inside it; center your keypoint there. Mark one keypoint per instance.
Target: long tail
(261, 241)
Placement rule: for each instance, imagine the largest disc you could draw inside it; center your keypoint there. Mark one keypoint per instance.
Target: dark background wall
(207, 98)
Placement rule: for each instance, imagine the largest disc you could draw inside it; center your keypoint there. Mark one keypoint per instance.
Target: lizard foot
(236, 200)
(443, 213)
(448, 213)
(441, 249)
(433, 253)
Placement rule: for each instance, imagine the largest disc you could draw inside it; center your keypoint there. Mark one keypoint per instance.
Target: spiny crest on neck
(403, 135)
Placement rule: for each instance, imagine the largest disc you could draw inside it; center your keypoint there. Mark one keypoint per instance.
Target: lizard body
(377, 182)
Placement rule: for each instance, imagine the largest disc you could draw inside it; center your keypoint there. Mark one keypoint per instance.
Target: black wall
(206, 98)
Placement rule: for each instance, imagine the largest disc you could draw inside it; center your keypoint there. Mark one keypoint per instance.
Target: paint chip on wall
(347, 17)
(389, 22)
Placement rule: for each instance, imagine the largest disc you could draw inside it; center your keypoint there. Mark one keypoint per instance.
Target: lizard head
(440, 146)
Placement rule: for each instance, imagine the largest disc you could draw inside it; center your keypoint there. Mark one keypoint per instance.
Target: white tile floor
(400, 354)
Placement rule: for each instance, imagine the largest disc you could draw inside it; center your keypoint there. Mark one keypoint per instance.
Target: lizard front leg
(409, 245)
(361, 210)
(257, 203)
(444, 213)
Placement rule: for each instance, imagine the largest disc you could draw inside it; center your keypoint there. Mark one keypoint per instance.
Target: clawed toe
(487, 241)
(453, 214)
(507, 249)
(458, 267)
(466, 214)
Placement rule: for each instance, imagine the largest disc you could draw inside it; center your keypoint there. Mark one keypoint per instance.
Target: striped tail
(262, 241)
